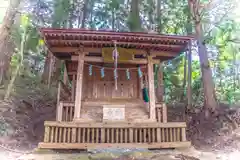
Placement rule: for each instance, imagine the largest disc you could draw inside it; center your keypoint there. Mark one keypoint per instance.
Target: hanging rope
(115, 56)
(111, 68)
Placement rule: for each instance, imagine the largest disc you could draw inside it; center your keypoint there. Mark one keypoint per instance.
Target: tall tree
(159, 16)
(208, 84)
(5, 39)
(84, 13)
(60, 19)
(134, 20)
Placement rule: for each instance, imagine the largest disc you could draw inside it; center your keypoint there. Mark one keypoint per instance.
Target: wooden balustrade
(161, 113)
(119, 134)
(65, 111)
(63, 93)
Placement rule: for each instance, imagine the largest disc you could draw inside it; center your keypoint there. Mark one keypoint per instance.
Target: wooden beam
(78, 98)
(101, 60)
(99, 50)
(115, 35)
(65, 74)
(152, 101)
(123, 44)
(73, 86)
(164, 54)
(74, 49)
(114, 145)
(89, 59)
(114, 124)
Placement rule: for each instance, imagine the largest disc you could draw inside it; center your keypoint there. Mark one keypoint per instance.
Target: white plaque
(113, 112)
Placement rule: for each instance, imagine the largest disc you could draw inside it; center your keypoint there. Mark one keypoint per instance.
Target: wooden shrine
(107, 96)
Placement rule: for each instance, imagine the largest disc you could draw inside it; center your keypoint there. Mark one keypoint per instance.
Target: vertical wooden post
(78, 97)
(65, 74)
(102, 135)
(59, 92)
(159, 139)
(152, 102)
(74, 135)
(183, 134)
(73, 86)
(46, 134)
(160, 87)
(60, 111)
(58, 100)
(131, 135)
(140, 85)
(189, 91)
(164, 113)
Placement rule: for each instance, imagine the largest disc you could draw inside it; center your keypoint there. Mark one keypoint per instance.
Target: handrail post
(59, 92)
(58, 100)
(183, 134)
(164, 112)
(46, 134)
(59, 111)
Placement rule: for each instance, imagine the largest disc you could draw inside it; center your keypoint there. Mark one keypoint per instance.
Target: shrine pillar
(79, 83)
(152, 101)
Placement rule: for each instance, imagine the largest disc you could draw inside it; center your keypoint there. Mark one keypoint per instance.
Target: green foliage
(61, 13)
(172, 17)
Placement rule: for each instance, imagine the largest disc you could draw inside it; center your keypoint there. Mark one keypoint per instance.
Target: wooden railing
(161, 113)
(65, 111)
(64, 92)
(114, 133)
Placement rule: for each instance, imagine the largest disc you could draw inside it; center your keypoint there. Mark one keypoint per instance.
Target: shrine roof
(69, 40)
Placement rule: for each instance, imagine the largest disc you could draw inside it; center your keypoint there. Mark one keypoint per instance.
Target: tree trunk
(5, 32)
(56, 70)
(46, 69)
(159, 16)
(235, 75)
(208, 84)
(85, 11)
(113, 19)
(160, 84)
(52, 69)
(134, 20)
(71, 15)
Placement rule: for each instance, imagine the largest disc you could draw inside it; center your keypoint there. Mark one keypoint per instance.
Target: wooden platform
(83, 135)
(112, 145)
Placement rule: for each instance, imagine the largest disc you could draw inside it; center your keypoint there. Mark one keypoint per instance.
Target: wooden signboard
(113, 112)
